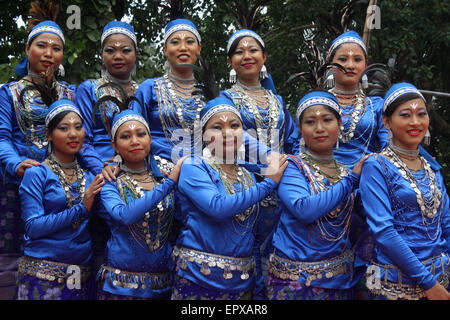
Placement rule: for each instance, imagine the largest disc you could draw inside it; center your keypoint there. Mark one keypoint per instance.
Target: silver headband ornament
(180, 27)
(216, 109)
(314, 101)
(58, 110)
(122, 120)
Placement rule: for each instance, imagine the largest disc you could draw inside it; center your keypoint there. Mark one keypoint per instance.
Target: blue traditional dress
(137, 262)
(271, 125)
(409, 216)
(217, 252)
(312, 256)
(56, 241)
(171, 115)
(22, 136)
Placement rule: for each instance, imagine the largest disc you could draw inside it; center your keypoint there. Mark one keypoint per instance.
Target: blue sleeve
(382, 132)
(85, 100)
(130, 213)
(37, 223)
(196, 183)
(446, 217)
(289, 129)
(295, 194)
(8, 156)
(145, 95)
(375, 198)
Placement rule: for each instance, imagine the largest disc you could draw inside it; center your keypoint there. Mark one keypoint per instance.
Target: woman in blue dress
(362, 131)
(57, 197)
(264, 114)
(119, 45)
(217, 252)
(168, 105)
(139, 209)
(407, 207)
(22, 131)
(312, 257)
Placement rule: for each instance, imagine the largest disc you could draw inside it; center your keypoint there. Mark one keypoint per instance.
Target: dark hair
(400, 100)
(57, 119)
(236, 42)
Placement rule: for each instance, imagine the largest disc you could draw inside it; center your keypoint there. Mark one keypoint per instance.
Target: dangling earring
(118, 160)
(241, 153)
(389, 137)
(330, 81)
(61, 71)
(365, 81)
(302, 145)
(233, 76)
(166, 66)
(337, 144)
(427, 138)
(206, 153)
(133, 71)
(263, 73)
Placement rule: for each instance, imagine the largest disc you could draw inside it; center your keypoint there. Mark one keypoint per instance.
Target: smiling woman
(57, 198)
(22, 127)
(407, 206)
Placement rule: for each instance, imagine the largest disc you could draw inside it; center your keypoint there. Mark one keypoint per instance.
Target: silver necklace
(65, 165)
(249, 88)
(321, 159)
(427, 205)
(407, 152)
(124, 167)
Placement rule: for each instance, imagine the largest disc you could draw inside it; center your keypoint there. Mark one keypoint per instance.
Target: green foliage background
(414, 32)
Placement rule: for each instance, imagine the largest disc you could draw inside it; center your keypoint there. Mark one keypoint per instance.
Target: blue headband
(178, 25)
(346, 37)
(125, 116)
(60, 106)
(47, 26)
(318, 98)
(215, 106)
(398, 90)
(114, 27)
(244, 33)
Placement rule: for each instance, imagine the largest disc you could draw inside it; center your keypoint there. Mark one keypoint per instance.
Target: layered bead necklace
(174, 109)
(339, 218)
(141, 231)
(57, 167)
(252, 97)
(428, 203)
(356, 101)
(243, 177)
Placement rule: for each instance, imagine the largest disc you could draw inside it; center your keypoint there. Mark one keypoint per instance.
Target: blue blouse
(97, 143)
(210, 226)
(50, 231)
(305, 222)
(404, 238)
(127, 249)
(22, 128)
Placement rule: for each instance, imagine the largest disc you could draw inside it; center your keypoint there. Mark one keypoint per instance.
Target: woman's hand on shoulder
(358, 167)
(277, 165)
(175, 174)
(94, 188)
